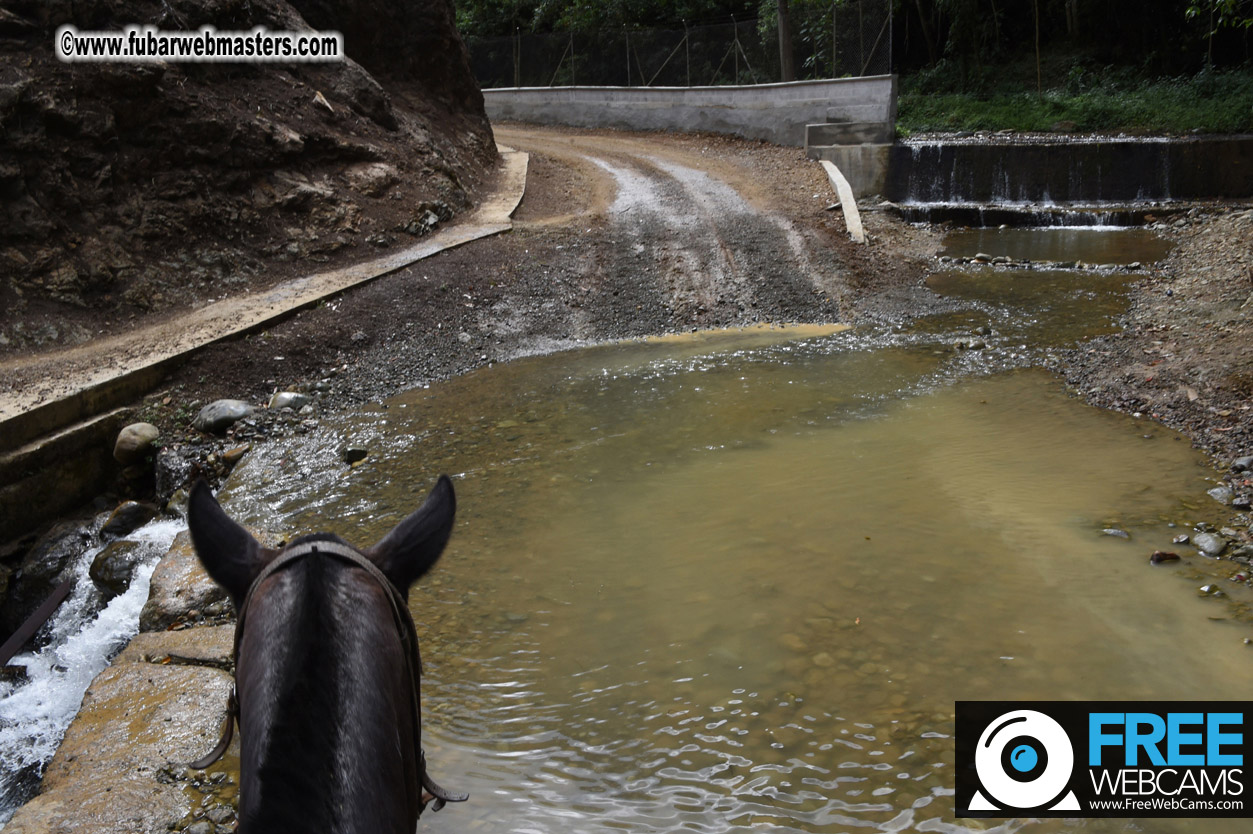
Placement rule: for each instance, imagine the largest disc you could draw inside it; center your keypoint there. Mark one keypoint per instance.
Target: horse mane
(314, 634)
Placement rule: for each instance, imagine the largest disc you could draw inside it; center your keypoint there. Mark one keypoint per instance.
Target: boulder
(179, 586)
(114, 566)
(138, 722)
(220, 415)
(173, 470)
(372, 179)
(128, 517)
(1210, 544)
(289, 399)
(41, 571)
(134, 442)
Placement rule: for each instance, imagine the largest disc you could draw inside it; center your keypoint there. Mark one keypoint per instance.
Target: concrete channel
(57, 429)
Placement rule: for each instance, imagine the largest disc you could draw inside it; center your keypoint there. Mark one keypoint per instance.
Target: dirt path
(618, 235)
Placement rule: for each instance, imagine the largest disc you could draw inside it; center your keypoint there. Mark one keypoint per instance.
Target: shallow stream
(739, 579)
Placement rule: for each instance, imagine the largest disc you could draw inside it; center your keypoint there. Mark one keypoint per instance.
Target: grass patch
(1210, 102)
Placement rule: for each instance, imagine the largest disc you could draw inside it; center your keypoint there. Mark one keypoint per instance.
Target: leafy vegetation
(1102, 101)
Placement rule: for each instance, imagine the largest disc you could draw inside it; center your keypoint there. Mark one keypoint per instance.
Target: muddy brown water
(1068, 244)
(738, 580)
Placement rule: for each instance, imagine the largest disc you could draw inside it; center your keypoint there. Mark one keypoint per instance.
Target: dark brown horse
(326, 670)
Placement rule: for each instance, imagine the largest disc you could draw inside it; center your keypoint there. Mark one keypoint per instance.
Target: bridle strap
(408, 639)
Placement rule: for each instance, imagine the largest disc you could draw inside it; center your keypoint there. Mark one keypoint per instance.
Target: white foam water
(83, 636)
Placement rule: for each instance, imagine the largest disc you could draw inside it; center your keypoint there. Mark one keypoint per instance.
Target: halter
(408, 641)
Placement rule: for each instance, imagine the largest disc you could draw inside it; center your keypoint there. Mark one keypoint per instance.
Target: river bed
(740, 579)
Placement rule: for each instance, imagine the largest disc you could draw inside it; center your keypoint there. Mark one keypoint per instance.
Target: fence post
(687, 52)
(517, 57)
(835, 41)
(627, 33)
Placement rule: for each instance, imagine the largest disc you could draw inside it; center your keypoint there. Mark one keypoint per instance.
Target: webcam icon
(1025, 762)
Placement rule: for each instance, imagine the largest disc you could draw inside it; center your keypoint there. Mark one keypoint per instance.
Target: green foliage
(1108, 101)
(1236, 14)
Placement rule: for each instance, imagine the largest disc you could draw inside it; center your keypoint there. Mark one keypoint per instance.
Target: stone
(1116, 533)
(127, 518)
(134, 442)
(179, 586)
(289, 399)
(355, 454)
(114, 566)
(1210, 544)
(41, 571)
(1222, 494)
(1160, 556)
(173, 470)
(1242, 464)
(220, 415)
(136, 721)
(233, 456)
(372, 179)
(203, 646)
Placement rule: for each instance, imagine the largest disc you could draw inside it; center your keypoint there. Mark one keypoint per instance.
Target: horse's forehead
(312, 538)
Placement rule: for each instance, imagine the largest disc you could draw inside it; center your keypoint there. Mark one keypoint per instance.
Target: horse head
(326, 669)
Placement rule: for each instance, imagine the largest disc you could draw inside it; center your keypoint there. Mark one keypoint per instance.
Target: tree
(787, 56)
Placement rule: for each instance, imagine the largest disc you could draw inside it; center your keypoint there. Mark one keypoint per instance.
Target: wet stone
(114, 566)
(1221, 494)
(289, 399)
(128, 517)
(220, 415)
(1210, 544)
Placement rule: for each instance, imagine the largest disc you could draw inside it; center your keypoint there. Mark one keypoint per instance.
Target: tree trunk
(927, 38)
(787, 62)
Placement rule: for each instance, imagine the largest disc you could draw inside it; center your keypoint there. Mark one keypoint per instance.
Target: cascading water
(1047, 181)
(78, 642)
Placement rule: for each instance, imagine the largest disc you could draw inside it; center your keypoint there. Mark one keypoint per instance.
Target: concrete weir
(1050, 170)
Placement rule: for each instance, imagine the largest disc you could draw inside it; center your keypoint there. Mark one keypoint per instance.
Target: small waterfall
(80, 639)
(1041, 180)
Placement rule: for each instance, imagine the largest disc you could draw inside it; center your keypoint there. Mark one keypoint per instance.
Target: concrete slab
(852, 217)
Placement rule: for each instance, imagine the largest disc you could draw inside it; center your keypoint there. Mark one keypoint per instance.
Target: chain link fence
(845, 39)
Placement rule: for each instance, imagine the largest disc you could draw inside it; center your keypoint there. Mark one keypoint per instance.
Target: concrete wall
(776, 113)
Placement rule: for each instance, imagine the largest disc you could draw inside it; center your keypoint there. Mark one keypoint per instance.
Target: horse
(326, 671)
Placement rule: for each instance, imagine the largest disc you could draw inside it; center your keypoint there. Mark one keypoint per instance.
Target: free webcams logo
(1101, 759)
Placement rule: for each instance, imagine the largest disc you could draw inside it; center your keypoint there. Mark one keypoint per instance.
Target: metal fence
(847, 38)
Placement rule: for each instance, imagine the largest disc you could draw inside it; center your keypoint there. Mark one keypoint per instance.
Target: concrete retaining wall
(776, 113)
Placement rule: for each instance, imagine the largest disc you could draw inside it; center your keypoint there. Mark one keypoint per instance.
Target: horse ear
(415, 544)
(228, 552)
